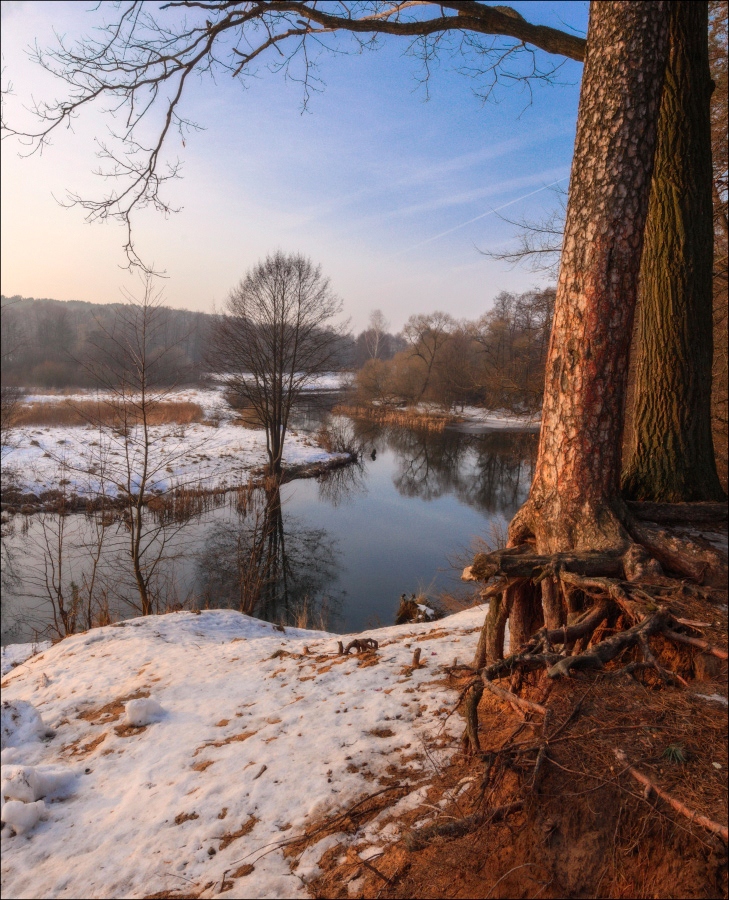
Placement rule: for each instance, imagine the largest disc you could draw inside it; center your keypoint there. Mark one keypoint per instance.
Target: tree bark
(574, 503)
(671, 457)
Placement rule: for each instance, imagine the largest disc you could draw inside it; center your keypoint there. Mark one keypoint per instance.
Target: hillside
(264, 736)
(262, 763)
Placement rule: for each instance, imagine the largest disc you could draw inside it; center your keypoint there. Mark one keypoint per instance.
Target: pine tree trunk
(671, 454)
(574, 503)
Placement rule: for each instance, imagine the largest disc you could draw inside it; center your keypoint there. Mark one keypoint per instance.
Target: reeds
(85, 412)
(405, 418)
(184, 503)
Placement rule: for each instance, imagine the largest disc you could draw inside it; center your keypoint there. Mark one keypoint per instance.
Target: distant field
(84, 412)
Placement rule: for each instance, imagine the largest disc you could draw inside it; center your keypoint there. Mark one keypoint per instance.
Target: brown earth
(583, 827)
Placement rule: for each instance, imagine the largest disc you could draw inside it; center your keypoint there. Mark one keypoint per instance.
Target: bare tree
(376, 334)
(130, 366)
(144, 61)
(274, 338)
(427, 335)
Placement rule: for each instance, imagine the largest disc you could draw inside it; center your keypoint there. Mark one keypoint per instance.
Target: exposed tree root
(419, 838)
(696, 642)
(579, 612)
(523, 562)
(685, 555)
(652, 788)
(473, 694)
(514, 699)
(696, 514)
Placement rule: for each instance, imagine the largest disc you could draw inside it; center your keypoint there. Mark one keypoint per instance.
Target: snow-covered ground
(477, 419)
(328, 381)
(12, 655)
(258, 736)
(216, 455)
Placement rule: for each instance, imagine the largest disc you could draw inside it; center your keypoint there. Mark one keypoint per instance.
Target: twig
(373, 869)
(692, 623)
(522, 866)
(277, 845)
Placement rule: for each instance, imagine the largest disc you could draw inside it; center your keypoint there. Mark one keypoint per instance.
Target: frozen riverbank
(215, 454)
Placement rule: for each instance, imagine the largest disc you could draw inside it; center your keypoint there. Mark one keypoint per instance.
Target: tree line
(49, 343)
(497, 360)
(640, 196)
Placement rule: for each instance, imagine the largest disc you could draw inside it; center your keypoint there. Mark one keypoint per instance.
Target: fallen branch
(690, 814)
(696, 642)
(514, 699)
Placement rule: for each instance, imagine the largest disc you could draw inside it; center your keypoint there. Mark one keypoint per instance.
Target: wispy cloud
(489, 212)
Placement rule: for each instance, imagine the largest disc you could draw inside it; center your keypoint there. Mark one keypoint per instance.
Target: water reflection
(341, 486)
(338, 552)
(269, 565)
(490, 472)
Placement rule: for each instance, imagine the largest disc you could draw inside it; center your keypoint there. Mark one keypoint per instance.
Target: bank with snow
(248, 737)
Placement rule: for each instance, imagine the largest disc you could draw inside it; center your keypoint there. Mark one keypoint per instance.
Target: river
(339, 550)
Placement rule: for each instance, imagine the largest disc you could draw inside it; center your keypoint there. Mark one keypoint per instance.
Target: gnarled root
(541, 652)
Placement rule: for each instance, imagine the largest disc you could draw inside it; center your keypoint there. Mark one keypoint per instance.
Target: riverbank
(82, 467)
(201, 794)
(14, 501)
(430, 417)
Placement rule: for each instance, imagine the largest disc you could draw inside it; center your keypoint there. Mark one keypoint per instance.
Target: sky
(392, 189)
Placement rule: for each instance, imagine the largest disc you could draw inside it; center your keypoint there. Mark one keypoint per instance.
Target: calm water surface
(343, 548)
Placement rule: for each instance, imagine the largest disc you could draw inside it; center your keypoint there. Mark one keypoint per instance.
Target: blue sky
(373, 181)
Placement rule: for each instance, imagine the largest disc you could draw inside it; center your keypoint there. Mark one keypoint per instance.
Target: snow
(30, 783)
(15, 654)
(478, 420)
(264, 734)
(22, 816)
(327, 381)
(213, 454)
(20, 724)
(142, 712)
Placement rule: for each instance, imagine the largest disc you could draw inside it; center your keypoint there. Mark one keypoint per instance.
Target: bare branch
(140, 63)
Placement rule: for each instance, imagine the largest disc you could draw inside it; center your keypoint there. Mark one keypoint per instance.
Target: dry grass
(406, 418)
(85, 412)
(182, 504)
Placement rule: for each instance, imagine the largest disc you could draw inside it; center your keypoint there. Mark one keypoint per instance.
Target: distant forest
(498, 359)
(48, 343)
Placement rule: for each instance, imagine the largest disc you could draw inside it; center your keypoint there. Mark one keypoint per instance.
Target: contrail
(476, 218)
